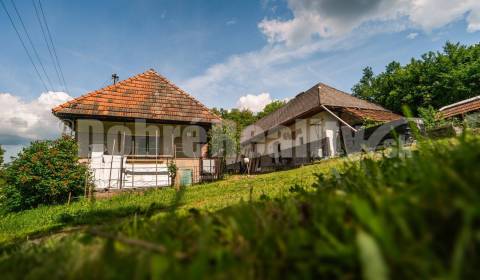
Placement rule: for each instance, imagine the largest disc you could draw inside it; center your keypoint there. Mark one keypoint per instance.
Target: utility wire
(24, 46)
(53, 45)
(37, 13)
(31, 44)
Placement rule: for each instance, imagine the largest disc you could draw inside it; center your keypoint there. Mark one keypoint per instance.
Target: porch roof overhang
(74, 117)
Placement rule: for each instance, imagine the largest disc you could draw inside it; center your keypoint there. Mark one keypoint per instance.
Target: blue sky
(219, 51)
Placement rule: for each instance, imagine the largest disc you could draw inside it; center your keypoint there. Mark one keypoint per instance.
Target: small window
(301, 140)
(294, 135)
(279, 148)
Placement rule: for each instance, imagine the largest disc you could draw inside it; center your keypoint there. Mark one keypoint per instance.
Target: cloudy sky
(226, 53)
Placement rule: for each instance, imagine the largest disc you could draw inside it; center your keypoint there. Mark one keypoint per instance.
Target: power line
(31, 43)
(37, 14)
(53, 45)
(24, 46)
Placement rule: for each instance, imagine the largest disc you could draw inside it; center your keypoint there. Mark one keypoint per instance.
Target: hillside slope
(210, 196)
(406, 215)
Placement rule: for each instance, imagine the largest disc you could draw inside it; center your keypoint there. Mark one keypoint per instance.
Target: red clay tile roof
(459, 108)
(322, 94)
(376, 115)
(145, 96)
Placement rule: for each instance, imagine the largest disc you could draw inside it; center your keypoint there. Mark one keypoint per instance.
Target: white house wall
(186, 137)
(308, 130)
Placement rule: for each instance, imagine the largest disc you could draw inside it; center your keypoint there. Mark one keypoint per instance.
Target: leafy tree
(225, 138)
(1, 156)
(270, 108)
(2, 181)
(43, 173)
(436, 79)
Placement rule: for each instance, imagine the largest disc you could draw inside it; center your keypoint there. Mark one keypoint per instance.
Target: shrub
(43, 173)
(172, 172)
(1, 157)
(2, 181)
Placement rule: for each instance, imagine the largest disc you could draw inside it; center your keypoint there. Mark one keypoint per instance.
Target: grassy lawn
(154, 203)
(409, 215)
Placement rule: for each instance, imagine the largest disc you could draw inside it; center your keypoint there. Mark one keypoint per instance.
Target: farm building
(131, 131)
(312, 126)
(462, 109)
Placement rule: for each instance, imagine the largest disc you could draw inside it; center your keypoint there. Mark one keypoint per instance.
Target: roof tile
(147, 96)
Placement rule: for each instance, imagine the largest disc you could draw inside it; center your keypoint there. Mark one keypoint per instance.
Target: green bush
(2, 181)
(45, 172)
(1, 157)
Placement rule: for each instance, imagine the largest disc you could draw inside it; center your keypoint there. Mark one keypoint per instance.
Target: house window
(279, 148)
(301, 140)
(294, 135)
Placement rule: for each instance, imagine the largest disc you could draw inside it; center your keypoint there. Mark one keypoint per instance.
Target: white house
(130, 131)
(308, 127)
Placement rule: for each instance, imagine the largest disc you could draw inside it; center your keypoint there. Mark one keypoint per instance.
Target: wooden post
(69, 197)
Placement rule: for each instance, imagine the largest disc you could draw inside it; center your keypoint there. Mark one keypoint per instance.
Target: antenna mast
(114, 78)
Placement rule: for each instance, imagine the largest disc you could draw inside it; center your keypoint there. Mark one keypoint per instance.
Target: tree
(270, 108)
(45, 172)
(436, 79)
(2, 181)
(225, 138)
(235, 121)
(1, 156)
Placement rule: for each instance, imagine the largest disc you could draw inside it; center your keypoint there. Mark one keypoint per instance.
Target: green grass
(410, 215)
(211, 196)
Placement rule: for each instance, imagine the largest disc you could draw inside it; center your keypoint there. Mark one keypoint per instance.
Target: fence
(120, 172)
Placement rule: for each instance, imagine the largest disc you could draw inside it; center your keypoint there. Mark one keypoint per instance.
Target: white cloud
(32, 120)
(319, 26)
(271, 68)
(412, 35)
(254, 103)
(231, 22)
(331, 18)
